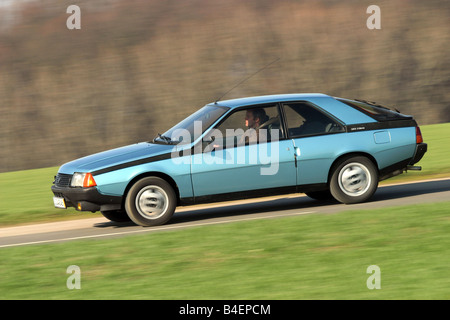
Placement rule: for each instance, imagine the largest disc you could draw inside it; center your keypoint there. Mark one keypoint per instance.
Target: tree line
(135, 68)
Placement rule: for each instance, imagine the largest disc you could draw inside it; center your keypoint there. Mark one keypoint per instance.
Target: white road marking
(412, 182)
(89, 222)
(156, 229)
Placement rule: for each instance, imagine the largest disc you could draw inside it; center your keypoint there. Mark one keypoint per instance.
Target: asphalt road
(226, 212)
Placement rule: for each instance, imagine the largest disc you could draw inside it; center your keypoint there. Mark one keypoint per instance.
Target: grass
(321, 256)
(435, 161)
(26, 197)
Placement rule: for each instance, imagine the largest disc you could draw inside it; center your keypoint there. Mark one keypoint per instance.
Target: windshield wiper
(164, 138)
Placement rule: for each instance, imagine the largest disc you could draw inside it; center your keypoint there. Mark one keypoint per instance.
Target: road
(227, 212)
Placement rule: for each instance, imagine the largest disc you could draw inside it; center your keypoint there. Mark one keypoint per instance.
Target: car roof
(233, 103)
(342, 111)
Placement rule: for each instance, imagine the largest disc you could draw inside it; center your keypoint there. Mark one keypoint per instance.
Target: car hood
(114, 157)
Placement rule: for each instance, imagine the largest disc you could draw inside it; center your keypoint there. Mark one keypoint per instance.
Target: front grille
(62, 180)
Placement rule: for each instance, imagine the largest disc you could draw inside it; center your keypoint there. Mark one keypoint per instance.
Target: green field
(25, 196)
(317, 256)
(435, 162)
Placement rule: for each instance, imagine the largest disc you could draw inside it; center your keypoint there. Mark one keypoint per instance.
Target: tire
(354, 180)
(116, 216)
(150, 201)
(320, 195)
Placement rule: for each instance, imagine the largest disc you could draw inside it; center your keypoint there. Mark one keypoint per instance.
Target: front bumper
(421, 148)
(87, 199)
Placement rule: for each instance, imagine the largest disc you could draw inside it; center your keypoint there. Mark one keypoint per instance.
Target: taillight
(419, 138)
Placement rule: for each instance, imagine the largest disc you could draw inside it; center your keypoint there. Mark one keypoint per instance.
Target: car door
(241, 154)
(315, 135)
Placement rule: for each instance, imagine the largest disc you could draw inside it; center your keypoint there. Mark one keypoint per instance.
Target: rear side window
(305, 120)
(374, 110)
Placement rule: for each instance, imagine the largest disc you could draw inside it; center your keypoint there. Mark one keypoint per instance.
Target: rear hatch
(393, 119)
(375, 110)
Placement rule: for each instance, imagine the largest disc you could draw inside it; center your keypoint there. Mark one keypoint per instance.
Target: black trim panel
(348, 128)
(401, 165)
(381, 125)
(253, 194)
(91, 199)
(160, 157)
(421, 148)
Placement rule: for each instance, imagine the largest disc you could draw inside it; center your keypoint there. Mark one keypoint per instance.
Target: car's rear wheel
(354, 180)
(150, 201)
(116, 215)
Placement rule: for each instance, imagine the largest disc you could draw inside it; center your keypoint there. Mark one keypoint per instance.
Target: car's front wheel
(354, 180)
(151, 201)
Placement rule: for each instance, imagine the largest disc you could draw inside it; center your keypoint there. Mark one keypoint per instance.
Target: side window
(251, 125)
(304, 120)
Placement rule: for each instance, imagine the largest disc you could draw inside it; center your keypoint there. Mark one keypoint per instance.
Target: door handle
(296, 154)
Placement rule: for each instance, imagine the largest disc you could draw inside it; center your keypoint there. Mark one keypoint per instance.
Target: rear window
(374, 110)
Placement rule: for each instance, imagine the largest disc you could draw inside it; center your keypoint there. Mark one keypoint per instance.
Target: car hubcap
(354, 179)
(152, 202)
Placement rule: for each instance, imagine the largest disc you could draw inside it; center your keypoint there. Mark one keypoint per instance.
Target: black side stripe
(349, 128)
(381, 125)
(160, 157)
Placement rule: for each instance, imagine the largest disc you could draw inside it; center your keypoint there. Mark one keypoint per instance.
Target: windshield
(193, 126)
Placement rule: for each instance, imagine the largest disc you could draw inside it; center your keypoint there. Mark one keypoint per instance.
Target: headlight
(82, 180)
(77, 179)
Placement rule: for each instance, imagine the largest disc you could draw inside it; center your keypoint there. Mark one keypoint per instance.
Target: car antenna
(242, 81)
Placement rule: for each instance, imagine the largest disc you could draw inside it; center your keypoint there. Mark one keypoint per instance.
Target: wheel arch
(158, 174)
(347, 156)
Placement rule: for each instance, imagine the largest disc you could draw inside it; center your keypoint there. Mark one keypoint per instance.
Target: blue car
(324, 146)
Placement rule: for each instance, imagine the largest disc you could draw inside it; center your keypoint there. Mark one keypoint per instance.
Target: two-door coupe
(257, 146)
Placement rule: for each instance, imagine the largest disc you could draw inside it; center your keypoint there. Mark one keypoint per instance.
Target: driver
(254, 118)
